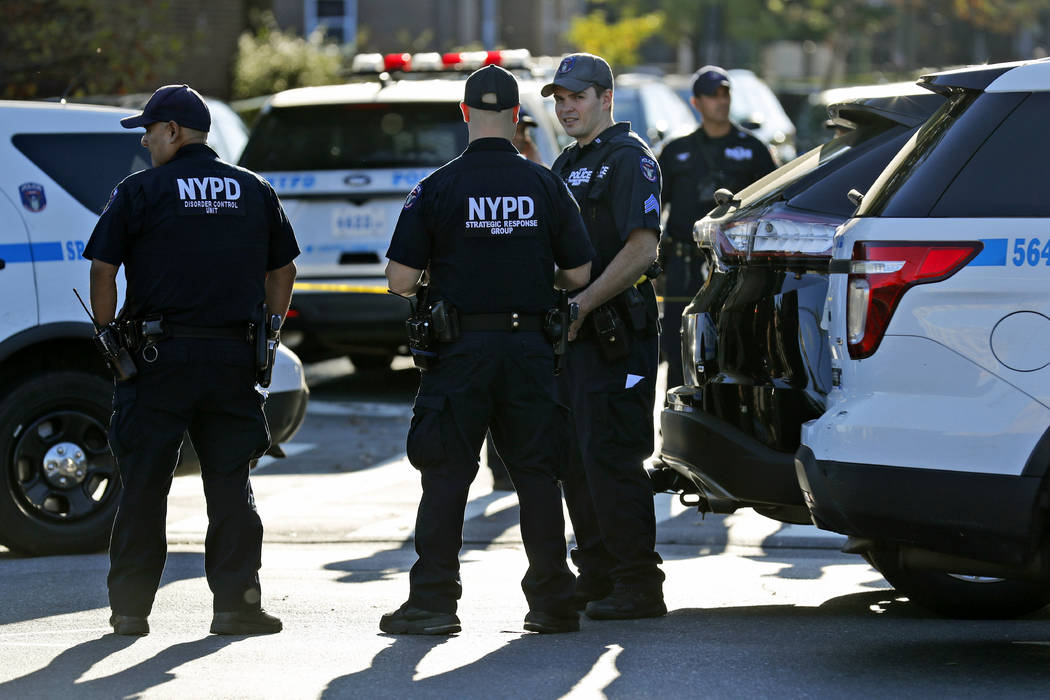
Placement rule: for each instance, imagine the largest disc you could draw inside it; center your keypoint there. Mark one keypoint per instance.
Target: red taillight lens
(880, 274)
(397, 61)
(292, 313)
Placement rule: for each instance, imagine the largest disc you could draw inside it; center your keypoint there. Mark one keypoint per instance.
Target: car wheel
(959, 596)
(60, 483)
(371, 363)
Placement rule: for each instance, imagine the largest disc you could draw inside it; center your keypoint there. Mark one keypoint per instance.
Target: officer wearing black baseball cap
(492, 228)
(719, 154)
(609, 382)
(204, 245)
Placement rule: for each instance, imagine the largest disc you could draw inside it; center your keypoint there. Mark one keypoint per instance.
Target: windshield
(350, 136)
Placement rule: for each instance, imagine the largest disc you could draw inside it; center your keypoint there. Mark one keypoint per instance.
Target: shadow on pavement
(28, 586)
(59, 678)
(859, 645)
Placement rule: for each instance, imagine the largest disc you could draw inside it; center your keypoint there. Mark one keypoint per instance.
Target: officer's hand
(574, 327)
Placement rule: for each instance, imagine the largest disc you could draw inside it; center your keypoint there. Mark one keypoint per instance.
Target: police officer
(203, 244)
(610, 376)
(719, 154)
(490, 226)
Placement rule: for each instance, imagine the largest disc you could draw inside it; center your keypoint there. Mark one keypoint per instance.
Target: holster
(266, 333)
(611, 333)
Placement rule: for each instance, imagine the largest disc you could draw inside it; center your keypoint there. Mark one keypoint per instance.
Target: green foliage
(617, 42)
(270, 60)
(51, 47)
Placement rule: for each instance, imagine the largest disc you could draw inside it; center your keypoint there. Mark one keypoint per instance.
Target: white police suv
(934, 450)
(58, 480)
(343, 158)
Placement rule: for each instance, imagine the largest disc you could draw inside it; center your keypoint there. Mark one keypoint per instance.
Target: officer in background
(490, 226)
(610, 371)
(718, 154)
(203, 244)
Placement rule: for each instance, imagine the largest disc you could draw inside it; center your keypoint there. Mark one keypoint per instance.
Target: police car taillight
(879, 275)
(724, 241)
(793, 237)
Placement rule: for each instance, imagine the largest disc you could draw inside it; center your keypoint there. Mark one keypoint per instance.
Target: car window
(776, 181)
(627, 107)
(920, 173)
(828, 195)
(1008, 174)
(87, 165)
(348, 136)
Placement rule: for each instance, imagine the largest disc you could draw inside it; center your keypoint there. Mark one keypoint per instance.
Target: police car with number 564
(343, 159)
(933, 453)
(58, 481)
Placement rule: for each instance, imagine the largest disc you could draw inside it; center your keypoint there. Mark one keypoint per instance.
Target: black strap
(178, 330)
(500, 322)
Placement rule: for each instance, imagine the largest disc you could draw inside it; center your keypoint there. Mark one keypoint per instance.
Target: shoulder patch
(413, 195)
(648, 166)
(112, 196)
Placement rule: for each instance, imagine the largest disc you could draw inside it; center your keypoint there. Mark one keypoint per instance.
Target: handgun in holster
(444, 322)
(556, 327)
(421, 342)
(267, 337)
(613, 338)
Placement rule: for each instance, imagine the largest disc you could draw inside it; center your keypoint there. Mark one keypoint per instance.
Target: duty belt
(511, 321)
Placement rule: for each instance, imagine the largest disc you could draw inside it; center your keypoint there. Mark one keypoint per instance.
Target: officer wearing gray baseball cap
(579, 71)
(609, 382)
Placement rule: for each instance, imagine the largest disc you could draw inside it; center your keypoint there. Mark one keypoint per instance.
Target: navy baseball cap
(173, 103)
(491, 88)
(578, 71)
(708, 79)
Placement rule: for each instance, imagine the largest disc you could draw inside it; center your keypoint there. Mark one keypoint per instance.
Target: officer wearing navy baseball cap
(719, 154)
(497, 233)
(206, 249)
(178, 103)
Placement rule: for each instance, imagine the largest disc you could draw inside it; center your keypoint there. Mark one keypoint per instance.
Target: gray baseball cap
(578, 71)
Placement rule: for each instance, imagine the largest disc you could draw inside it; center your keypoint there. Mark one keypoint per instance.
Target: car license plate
(354, 222)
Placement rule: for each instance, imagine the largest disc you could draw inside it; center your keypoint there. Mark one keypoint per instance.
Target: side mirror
(723, 196)
(855, 196)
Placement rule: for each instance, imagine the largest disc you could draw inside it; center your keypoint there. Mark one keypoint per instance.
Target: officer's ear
(466, 111)
(171, 130)
(517, 108)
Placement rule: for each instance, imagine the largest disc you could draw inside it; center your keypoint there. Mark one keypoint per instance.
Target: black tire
(40, 418)
(956, 596)
(371, 363)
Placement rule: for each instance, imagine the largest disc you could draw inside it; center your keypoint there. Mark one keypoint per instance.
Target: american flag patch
(652, 205)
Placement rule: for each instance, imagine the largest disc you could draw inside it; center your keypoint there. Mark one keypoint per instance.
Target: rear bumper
(991, 517)
(730, 463)
(345, 322)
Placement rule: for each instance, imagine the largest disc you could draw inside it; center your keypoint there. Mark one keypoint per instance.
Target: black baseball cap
(173, 103)
(578, 71)
(708, 79)
(491, 88)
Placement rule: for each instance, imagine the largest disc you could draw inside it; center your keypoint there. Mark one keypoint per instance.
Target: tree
(270, 60)
(617, 42)
(55, 47)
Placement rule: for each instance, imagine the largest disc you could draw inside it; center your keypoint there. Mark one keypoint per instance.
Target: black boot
(412, 620)
(245, 622)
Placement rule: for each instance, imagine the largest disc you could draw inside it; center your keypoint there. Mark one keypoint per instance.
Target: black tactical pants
(503, 381)
(683, 268)
(609, 434)
(208, 388)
